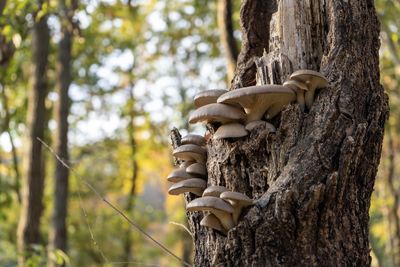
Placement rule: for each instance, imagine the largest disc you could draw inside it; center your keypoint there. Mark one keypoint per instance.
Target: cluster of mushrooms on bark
(235, 113)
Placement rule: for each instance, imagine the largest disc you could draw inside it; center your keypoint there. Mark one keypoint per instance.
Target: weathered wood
(314, 177)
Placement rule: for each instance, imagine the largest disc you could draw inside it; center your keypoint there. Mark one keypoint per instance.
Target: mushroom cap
(186, 164)
(207, 97)
(193, 185)
(252, 125)
(230, 130)
(194, 139)
(213, 222)
(214, 190)
(295, 85)
(178, 175)
(256, 100)
(236, 197)
(312, 79)
(197, 169)
(209, 203)
(217, 112)
(190, 152)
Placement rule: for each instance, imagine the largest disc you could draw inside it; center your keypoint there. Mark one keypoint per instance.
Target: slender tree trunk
(33, 180)
(13, 148)
(134, 167)
(393, 209)
(227, 39)
(313, 178)
(58, 234)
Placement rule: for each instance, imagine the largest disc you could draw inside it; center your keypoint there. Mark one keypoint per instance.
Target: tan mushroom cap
(313, 80)
(254, 124)
(193, 185)
(194, 139)
(220, 208)
(260, 99)
(299, 87)
(198, 169)
(211, 221)
(238, 201)
(230, 130)
(186, 164)
(207, 97)
(190, 152)
(214, 190)
(217, 113)
(178, 175)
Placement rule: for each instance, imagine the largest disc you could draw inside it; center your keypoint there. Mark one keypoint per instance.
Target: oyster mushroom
(197, 169)
(254, 124)
(207, 97)
(190, 152)
(230, 130)
(214, 191)
(193, 185)
(193, 139)
(216, 112)
(178, 175)
(220, 208)
(300, 88)
(211, 221)
(260, 99)
(238, 202)
(313, 80)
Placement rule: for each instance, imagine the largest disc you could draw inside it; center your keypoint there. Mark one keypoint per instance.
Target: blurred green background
(136, 66)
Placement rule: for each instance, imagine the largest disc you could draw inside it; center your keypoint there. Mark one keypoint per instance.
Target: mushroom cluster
(223, 205)
(237, 112)
(191, 176)
(304, 83)
(234, 114)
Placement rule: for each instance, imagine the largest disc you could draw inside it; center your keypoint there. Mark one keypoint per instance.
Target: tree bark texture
(313, 178)
(227, 39)
(58, 234)
(33, 171)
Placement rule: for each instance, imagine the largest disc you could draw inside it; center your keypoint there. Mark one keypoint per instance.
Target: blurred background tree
(134, 68)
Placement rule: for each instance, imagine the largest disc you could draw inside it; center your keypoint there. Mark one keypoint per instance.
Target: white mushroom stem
(300, 99)
(309, 96)
(274, 110)
(237, 210)
(225, 219)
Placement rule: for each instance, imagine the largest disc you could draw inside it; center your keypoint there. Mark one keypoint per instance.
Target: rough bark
(227, 39)
(314, 177)
(58, 234)
(33, 171)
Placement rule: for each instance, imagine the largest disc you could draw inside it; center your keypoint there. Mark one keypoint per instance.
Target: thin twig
(121, 213)
(184, 227)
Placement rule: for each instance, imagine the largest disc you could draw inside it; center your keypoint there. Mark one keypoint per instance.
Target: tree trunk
(313, 178)
(33, 180)
(227, 39)
(7, 119)
(58, 235)
(393, 215)
(134, 167)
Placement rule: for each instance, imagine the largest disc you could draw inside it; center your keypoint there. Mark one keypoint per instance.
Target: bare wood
(313, 179)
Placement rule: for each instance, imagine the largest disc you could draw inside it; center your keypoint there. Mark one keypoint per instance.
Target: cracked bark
(314, 177)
